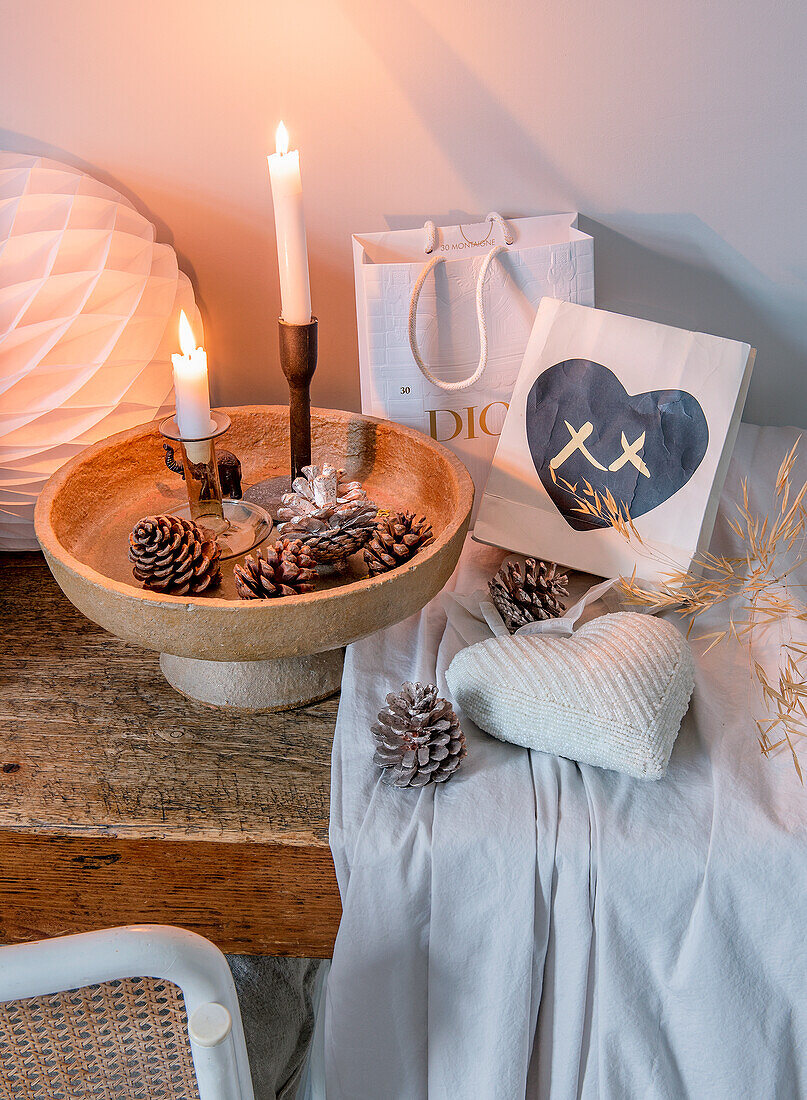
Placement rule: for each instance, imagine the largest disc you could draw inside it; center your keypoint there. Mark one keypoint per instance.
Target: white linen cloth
(661, 928)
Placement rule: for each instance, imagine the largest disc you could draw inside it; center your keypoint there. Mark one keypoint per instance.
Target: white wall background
(676, 128)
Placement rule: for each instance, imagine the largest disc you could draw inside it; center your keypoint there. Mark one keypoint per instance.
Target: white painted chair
(142, 1011)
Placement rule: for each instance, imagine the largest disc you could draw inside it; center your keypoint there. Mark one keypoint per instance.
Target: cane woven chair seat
(123, 1040)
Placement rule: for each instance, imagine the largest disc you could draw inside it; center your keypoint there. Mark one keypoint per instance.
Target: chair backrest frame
(189, 961)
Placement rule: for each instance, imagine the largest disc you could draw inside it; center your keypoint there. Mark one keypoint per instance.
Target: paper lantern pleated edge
(89, 306)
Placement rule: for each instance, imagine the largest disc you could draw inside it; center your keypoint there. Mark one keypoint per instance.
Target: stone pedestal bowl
(252, 654)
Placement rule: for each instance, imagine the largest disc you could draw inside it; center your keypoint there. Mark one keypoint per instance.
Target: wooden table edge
(250, 897)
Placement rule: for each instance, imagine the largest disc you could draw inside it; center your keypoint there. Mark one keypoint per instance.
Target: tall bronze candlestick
(298, 358)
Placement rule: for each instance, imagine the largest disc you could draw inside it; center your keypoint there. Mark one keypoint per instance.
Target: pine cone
(284, 569)
(173, 555)
(418, 737)
(397, 537)
(529, 596)
(323, 486)
(329, 513)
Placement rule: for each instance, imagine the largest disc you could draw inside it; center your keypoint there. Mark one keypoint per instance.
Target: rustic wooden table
(121, 801)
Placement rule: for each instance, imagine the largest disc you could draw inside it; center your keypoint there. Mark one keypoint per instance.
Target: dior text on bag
(444, 316)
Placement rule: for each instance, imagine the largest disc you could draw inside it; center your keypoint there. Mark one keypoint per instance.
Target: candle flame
(186, 340)
(282, 139)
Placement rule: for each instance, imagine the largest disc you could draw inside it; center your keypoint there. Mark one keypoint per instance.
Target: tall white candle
(292, 250)
(190, 385)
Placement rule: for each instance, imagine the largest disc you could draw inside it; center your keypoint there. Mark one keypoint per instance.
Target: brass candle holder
(298, 360)
(237, 525)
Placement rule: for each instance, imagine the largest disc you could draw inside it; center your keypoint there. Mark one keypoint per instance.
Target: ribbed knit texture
(613, 694)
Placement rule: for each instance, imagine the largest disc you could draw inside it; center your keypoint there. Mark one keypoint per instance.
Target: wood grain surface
(122, 801)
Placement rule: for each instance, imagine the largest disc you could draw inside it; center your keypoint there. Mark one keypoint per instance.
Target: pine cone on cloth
(329, 513)
(418, 737)
(284, 569)
(174, 555)
(397, 537)
(528, 596)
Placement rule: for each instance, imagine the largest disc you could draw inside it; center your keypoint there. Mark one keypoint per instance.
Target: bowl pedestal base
(279, 684)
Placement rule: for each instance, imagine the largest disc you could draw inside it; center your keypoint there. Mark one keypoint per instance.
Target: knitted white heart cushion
(613, 694)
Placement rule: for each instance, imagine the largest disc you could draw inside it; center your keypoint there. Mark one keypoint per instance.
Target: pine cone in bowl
(397, 537)
(174, 555)
(285, 569)
(330, 514)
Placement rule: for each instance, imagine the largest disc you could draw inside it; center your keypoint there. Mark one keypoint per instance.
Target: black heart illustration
(583, 426)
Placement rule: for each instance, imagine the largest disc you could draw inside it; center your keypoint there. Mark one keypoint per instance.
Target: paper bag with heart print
(611, 415)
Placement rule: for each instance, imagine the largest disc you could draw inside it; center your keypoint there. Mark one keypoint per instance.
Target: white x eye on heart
(630, 453)
(577, 442)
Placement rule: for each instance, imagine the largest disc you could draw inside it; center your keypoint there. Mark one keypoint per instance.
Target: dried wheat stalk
(759, 583)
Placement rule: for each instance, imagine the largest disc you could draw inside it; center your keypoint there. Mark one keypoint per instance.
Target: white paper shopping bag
(615, 416)
(471, 292)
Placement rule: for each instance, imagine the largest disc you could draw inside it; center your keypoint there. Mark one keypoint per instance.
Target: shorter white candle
(191, 389)
(292, 250)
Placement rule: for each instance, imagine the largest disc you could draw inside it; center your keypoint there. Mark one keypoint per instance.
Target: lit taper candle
(191, 389)
(292, 250)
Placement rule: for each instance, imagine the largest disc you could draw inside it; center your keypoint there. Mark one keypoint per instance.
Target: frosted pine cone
(284, 569)
(529, 595)
(329, 513)
(322, 486)
(418, 737)
(397, 537)
(174, 555)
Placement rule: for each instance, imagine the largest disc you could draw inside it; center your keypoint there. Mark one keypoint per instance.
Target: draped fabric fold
(542, 928)
(431, 993)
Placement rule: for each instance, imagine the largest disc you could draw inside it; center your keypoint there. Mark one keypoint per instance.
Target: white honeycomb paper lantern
(89, 308)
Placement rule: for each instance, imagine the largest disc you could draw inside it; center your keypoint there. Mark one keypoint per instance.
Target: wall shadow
(674, 269)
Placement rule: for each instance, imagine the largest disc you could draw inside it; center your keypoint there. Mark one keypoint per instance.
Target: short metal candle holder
(238, 525)
(298, 359)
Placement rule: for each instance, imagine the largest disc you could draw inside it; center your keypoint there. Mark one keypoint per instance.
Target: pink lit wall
(677, 129)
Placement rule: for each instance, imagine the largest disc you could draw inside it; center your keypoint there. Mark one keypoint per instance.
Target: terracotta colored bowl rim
(52, 547)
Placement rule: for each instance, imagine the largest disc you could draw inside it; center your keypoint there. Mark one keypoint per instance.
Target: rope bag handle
(431, 242)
